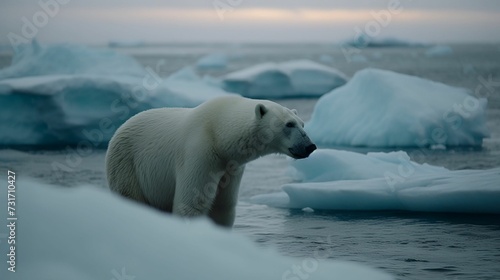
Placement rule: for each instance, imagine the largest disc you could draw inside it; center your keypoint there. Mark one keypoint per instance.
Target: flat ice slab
(341, 180)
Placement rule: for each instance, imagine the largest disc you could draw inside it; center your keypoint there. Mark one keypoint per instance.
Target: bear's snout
(310, 149)
(302, 152)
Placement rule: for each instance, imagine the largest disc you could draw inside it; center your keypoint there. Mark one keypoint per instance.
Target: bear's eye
(290, 124)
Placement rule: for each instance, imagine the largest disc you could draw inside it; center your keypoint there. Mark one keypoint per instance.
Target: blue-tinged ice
(90, 233)
(296, 78)
(341, 180)
(379, 108)
(68, 94)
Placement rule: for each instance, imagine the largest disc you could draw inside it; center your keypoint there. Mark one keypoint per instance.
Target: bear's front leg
(194, 193)
(223, 209)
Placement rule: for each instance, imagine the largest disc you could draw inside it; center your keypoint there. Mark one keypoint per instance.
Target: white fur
(190, 161)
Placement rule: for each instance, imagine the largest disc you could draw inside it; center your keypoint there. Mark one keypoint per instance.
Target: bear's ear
(260, 111)
(295, 111)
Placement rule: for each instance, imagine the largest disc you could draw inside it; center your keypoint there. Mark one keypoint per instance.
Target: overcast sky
(98, 22)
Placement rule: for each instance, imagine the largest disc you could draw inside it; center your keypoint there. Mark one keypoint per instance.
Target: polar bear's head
(284, 129)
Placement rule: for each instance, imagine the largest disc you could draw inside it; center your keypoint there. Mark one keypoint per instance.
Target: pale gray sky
(98, 22)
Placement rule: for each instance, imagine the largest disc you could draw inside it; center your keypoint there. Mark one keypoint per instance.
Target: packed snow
(90, 233)
(66, 94)
(341, 180)
(296, 78)
(212, 61)
(379, 108)
(440, 50)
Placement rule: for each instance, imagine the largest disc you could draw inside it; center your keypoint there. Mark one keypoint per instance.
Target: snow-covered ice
(296, 78)
(440, 50)
(379, 108)
(64, 94)
(89, 233)
(341, 180)
(213, 61)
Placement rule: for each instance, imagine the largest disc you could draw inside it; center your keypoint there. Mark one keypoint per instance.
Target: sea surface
(405, 244)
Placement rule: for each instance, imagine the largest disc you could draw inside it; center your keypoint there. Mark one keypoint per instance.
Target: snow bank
(212, 61)
(340, 180)
(66, 94)
(89, 233)
(379, 108)
(296, 78)
(440, 50)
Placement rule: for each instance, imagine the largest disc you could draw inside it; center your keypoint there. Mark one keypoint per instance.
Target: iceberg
(212, 61)
(296, 78)
(90, 233)
(441, 50)
(379, 108)
(341, 180)
(66, 94)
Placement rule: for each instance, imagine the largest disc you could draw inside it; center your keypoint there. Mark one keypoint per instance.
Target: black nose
(310, 149)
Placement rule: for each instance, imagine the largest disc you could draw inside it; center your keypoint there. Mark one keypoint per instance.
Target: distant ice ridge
(341, 180)
(296, 78)
(89, 233)
(365, 41)
(379, 108)
(212, 61)
(126, 44)
(440, 50)
(58, 59)
(65, 94)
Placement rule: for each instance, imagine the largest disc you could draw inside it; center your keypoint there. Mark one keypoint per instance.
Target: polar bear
(190, 161)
